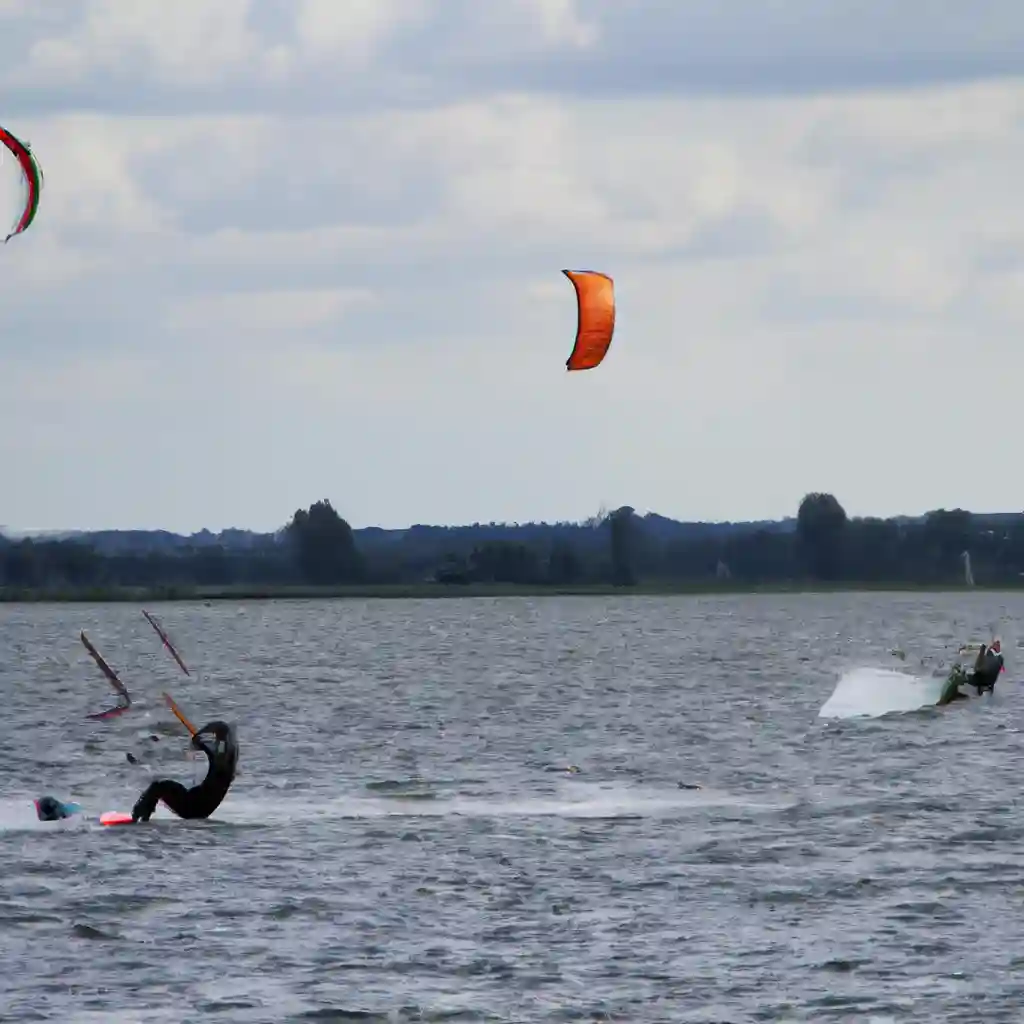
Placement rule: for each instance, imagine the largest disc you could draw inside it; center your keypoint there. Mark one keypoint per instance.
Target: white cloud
(562, 21)
(370, 300)
(354, 30)
(277, 314)
(180, 45)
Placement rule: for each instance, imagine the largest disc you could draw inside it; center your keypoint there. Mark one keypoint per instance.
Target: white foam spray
(871, 692)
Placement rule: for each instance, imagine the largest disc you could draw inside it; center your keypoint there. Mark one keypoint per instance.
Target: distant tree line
(318, 547)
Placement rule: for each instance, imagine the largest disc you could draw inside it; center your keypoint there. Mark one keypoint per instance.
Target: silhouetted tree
(874, 550)
(22, 566)
(621, 535)
(821, 529)
(946, 535)
(324, 547)
(564, 566)
(504, 562)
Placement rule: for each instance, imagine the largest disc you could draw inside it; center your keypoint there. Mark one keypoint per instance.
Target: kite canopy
(595, 297)
(125, 701)
(32, 181)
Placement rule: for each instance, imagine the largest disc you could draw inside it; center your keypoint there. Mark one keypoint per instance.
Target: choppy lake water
(402, 843)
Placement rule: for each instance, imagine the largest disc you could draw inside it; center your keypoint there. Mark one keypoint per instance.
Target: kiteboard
(951, 688)
(115, 818)
(951, 691)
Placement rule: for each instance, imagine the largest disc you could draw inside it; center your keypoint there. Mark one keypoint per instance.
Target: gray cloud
(651, 47)
(733, 47)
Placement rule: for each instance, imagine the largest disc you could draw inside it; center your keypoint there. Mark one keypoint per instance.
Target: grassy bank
(153, 595)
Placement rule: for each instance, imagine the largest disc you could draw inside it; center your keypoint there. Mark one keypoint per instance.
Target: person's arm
(201, 744)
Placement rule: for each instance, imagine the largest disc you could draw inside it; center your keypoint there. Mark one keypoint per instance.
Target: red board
(115, 818)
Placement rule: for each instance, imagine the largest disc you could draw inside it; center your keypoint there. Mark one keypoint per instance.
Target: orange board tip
(115, 818)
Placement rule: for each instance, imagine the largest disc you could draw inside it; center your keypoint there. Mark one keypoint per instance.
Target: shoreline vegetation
(318, 555)
(442, 591)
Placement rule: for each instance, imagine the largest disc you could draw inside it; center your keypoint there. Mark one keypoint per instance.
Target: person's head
(218, 729)
(49, 809)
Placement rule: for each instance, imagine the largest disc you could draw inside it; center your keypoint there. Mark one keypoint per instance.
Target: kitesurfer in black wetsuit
(202, 800)
(987, 668)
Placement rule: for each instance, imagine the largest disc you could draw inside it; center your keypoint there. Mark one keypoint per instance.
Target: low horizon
(13, 531)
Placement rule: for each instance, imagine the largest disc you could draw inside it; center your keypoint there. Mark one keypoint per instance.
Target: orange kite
(595, 297)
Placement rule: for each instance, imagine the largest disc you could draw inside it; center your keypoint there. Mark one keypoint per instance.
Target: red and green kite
(33, 181)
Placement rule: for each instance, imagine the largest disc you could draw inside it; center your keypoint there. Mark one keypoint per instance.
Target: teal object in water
(49, 808)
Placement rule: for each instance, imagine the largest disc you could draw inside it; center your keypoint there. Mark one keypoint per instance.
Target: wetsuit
(202, 800)
(986, 670)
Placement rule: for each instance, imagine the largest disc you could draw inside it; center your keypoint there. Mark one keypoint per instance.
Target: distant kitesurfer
(987, 667)
(202, 800)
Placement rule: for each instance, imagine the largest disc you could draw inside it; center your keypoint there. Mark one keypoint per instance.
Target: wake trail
(574, 800)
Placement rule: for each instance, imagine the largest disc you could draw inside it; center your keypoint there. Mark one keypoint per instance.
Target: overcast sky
(294, 249)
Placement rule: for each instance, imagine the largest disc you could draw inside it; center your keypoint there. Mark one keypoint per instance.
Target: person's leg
(173, 794)
(982, 681)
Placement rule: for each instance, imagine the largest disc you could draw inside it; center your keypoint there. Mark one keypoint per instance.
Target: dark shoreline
(441, 591)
